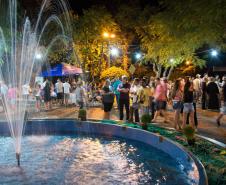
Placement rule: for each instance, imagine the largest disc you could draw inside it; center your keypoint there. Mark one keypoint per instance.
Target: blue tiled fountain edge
(72, 126)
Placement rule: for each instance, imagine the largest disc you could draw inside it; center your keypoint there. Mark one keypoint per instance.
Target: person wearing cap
(223, 107)
(124, 89)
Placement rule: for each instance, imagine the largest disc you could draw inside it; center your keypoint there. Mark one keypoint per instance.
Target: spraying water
(23, 50)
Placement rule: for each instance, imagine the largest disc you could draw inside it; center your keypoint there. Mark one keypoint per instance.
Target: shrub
(113, 72)
(189, 132)
(145, 119)
(82, 114)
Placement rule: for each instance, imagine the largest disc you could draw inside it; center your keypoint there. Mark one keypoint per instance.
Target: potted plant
(189, 132)
(82, 114)
(145, 119)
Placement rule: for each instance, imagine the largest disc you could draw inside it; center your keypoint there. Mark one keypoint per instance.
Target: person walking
(124, 89)
(188, 107)
(160, 100)
(177, 98)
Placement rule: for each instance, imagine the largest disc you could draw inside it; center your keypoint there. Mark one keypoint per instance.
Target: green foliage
(92, 49)
(189, 132)
(113, 72)
(82, 114)
(145, 118)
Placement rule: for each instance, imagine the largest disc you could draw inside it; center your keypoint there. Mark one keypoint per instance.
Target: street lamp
(214, 53)
(138, 56)
(114, 51)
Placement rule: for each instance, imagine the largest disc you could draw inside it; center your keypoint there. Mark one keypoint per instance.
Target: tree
(174, 34)
(92, 49)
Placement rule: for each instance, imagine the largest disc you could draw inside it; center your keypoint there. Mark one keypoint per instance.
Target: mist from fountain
(19, 45)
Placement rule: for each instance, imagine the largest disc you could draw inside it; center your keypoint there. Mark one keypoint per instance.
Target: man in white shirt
(197, 86)
(67, 88)
(60, 91)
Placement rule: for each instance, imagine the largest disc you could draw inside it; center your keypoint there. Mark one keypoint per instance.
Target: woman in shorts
(188, 103)
(177, 98)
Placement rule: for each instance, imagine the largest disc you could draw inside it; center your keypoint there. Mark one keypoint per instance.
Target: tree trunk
(155, 69)
(159, 70)
(165, 71)
(170, 72)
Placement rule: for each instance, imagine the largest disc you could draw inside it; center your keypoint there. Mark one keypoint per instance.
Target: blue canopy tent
(61, 70)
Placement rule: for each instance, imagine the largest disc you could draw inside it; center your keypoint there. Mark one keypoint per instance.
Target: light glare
(214, 53)
(115, 51)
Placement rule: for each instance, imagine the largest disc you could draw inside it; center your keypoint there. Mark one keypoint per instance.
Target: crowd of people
(155, 95)
(134, 97)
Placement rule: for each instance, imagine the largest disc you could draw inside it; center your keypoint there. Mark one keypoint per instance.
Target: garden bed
(212, 156)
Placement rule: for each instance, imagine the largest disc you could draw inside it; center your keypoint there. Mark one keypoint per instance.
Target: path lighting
(214, 53)
(114, 52)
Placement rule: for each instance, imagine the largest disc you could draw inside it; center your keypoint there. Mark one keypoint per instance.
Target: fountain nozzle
(18, 158)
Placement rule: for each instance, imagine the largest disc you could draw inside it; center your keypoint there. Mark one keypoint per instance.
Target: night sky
(111, 5)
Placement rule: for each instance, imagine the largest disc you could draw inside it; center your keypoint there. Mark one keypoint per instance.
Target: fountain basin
(108, 134)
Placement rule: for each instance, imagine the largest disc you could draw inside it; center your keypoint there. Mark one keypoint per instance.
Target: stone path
(207, 119)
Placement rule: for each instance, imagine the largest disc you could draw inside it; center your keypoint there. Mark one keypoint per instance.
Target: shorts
(108, 107)
(59, 96)
(38, 98)
(160, 105)
(188, 107)
(177, 105)
(66, 96)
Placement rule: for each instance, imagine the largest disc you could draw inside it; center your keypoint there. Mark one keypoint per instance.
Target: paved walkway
(207, 119)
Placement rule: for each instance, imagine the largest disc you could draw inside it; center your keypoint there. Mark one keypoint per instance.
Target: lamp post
(109, 36)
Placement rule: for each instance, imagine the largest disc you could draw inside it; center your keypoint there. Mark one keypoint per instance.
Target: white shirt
(197, 84)
(59, 87)
(25, 89)
(67, 87)
(134, 91)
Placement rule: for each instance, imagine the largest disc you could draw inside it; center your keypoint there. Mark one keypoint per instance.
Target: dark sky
(112, 5)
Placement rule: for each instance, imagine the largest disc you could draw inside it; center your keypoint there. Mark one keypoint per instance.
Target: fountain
(87, 153)
(23, 50)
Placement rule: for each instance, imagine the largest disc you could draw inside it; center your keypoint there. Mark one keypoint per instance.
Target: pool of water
(88, 160)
